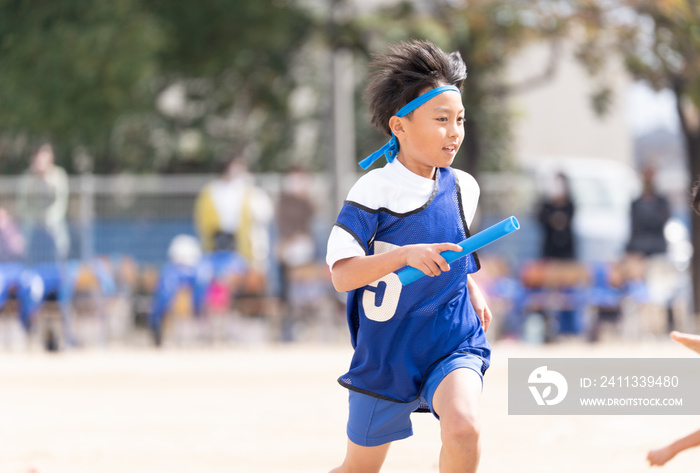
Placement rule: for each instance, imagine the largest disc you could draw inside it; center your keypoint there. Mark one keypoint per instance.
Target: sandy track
(279, 409)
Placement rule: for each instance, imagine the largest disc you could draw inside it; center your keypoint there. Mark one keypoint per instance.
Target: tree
(233, 64)
(92, 76)
(659, 41)
(70, 69)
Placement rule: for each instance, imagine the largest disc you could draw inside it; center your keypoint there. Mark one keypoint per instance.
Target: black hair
(39, 146)
(404, 72)
(223, 166)
(696, 197)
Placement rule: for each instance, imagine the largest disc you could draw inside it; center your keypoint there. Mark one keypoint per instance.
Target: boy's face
(432, 136)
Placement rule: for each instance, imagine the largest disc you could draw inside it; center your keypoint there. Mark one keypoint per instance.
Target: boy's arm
(357, 271)
(479, 303)
(662, 455)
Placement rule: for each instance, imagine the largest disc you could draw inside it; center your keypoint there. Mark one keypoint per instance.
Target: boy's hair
(404, 73)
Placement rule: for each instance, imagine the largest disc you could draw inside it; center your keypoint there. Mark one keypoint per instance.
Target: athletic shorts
(373, 421)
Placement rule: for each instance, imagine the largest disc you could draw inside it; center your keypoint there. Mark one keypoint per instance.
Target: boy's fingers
(442, 264)
(433, 264)
(427, 269)
(437, 265)
(449, 247)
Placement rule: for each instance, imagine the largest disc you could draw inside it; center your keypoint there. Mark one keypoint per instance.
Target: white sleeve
(470, 191)
(341, 245)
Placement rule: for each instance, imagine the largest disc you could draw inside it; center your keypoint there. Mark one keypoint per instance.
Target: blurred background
(170, 171)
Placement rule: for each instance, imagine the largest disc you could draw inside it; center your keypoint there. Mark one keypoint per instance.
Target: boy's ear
(396, 125)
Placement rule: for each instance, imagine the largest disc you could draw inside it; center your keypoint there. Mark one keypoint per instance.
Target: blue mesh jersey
(399, 332)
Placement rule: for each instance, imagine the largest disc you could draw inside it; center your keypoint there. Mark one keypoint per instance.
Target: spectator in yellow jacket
(232, 213)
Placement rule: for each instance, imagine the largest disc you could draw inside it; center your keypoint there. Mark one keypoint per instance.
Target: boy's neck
(422, 171)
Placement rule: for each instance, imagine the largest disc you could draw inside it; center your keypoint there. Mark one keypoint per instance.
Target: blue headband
(390, 149)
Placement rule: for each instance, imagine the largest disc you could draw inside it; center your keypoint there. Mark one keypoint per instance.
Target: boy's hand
(479, 303)
(689, 340)
(660, 456)
(427, 257)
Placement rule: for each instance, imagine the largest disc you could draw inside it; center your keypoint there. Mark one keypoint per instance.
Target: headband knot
(391, 148)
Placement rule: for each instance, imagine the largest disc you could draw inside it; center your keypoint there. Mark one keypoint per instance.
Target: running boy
(661, 456)
(422, 346)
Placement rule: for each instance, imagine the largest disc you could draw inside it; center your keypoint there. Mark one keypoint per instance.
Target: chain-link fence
(136, 216)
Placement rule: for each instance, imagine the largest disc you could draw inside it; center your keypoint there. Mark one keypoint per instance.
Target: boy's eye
(445, 119)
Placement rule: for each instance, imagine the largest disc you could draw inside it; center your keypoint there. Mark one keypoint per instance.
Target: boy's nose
(454, 129)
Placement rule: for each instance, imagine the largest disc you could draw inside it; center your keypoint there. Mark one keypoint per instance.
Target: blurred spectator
(231, 212)
(43, 205)
(557, 297)
(182, 271)
(295, 214)
(556, 215)
(11, 240)
(296, 246)
(649, 214)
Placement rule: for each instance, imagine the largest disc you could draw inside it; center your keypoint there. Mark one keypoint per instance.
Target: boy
(419, 347)
(660, 456)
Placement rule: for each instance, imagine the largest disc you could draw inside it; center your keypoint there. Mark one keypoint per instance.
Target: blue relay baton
(470, 245)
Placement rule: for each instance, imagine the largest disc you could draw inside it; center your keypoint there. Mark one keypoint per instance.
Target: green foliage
(176, 85)
(70, 68)
(230, 62)
(86, 73)
(658, 40)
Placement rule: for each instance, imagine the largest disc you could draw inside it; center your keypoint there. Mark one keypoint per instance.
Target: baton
(470, 245)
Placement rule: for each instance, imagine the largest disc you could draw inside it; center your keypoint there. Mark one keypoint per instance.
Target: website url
(631, 402)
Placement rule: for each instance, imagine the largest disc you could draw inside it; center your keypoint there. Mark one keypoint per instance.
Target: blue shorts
(373, 421)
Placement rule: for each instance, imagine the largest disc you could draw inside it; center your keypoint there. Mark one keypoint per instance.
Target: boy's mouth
(452, 149)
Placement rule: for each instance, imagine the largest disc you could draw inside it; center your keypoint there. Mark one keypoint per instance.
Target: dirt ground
(277, 408)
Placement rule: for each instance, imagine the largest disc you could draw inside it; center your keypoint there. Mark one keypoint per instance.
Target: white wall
(557, 120)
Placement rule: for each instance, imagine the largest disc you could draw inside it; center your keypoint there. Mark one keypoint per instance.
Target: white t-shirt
(396, 188)
(228, 201)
